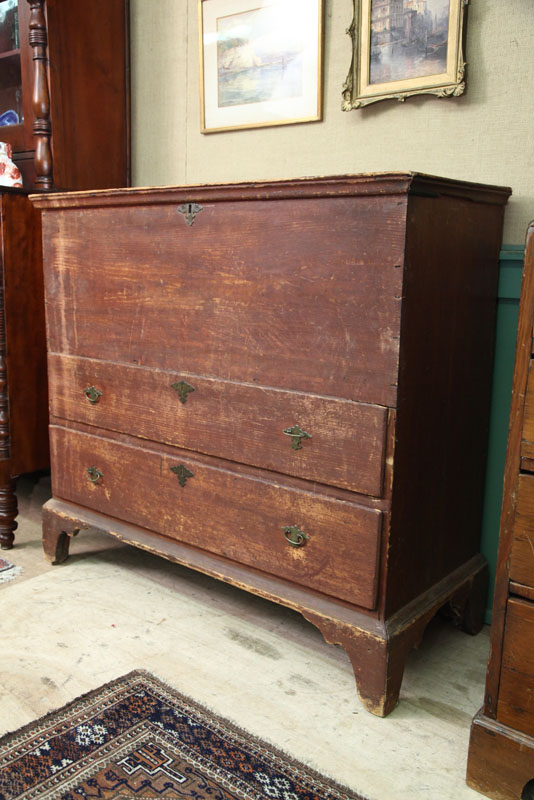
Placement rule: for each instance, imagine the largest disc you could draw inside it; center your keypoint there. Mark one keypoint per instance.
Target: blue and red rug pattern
(138, 738)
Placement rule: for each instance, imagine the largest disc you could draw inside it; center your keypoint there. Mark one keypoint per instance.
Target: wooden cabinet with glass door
(64, 106)
(16, 77)
(64, 91)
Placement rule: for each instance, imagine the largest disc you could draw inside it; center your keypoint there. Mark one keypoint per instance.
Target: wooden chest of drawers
(501, 750)
(284, 385)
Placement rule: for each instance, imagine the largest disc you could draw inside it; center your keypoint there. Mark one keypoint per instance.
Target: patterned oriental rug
(138, 738)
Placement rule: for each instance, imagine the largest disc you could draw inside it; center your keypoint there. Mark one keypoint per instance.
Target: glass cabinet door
(11, 109)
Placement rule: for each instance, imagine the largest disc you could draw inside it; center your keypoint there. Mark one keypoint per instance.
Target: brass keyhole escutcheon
(190, 210)
(297, 435)
(93, 394)
(94, 474)
(183, 389)
(182, 473)
(295, 536)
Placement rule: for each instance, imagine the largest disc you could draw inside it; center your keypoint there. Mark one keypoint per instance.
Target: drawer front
(516, 689)
(297, 295)
(231, 420)
(522, 558)
(527, 435)
(235, 516)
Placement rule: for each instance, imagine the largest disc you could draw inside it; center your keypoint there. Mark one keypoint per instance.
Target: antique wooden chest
(284, 385)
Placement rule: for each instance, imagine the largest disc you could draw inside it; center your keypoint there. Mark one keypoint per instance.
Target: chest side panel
(301, 295)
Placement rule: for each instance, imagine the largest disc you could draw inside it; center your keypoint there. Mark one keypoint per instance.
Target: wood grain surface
(239, 517)
(25, 334)
(516, 692)
(522, 555)
(501, 759)
(301, 296)
(235, 421)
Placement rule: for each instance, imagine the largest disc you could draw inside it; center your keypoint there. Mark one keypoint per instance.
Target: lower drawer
(246, 519)
(516, 690)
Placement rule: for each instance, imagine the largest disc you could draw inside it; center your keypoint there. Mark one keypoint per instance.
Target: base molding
(377, 648)
(501, 759)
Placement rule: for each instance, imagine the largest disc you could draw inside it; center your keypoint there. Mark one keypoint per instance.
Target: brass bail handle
(295, 536)
(297, 435)
(93, 394)
(94, 474)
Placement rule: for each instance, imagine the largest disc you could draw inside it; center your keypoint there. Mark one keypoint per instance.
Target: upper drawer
(302, 295)
(522, 558)
(527, 436)
(237, 516)
(231, 420)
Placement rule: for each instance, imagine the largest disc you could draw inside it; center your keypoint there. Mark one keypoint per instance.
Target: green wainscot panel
(511, 268)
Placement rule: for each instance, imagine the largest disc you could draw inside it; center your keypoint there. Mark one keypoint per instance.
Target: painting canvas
(255, 63)
(260, 62)
(408, 39)
(403, 48)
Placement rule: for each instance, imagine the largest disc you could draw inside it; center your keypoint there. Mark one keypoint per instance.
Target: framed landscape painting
(260, 63)
(403, 48)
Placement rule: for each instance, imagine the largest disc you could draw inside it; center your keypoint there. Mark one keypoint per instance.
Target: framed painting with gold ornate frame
(402, 48)
(260, 63)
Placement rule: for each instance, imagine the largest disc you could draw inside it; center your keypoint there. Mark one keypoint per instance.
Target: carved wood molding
(42, 126)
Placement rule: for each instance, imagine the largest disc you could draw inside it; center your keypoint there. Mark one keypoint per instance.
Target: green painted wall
(511, 267)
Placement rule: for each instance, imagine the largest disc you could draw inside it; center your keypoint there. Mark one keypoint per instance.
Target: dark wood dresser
(64, 79)
(23, 381)
(501, 750)
(284, 385)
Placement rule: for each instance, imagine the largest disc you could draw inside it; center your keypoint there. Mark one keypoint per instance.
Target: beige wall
(487, 135)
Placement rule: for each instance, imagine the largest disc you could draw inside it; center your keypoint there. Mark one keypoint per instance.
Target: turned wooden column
(42, 126)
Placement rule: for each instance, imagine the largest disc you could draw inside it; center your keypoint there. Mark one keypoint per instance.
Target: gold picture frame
(261, 63)
(402, 48)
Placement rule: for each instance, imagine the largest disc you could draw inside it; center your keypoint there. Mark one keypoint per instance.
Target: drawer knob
(94, 474)
(297, 435)
(93, 394)
(182, 473)
(183, 388)
(295, 536)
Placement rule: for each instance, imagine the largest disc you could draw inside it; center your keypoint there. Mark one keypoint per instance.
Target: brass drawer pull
(183, 388)
(94, 474)
(297, 435)
(295, 536)
(182, 473)
(93, 394)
